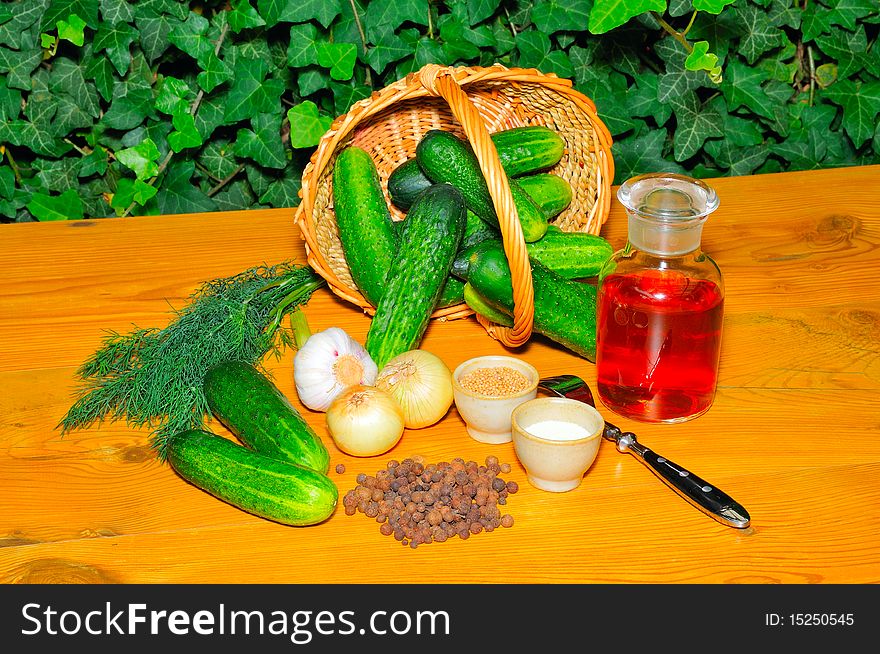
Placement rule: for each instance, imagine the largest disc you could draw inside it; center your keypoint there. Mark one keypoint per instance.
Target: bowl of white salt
(557, 440)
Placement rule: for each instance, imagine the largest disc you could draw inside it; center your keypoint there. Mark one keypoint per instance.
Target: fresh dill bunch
(153, 377)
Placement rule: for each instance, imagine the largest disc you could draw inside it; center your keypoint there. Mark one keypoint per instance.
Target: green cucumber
(430, 238)
(564, 310)
(261, 416)
(528, 149)
(572, 255)
(479, 304)
(364, 221)
(550, 192)
(521, 150)
(253, 482)
(406, 182)
(444, 157)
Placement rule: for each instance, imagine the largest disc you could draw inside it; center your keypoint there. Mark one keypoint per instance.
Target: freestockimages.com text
(300, 626)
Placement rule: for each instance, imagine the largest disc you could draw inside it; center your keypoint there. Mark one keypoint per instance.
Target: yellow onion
(422, 385)
(365, 421)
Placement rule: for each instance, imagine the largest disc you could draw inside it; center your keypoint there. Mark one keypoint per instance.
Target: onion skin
(365, 421)
(421, 383)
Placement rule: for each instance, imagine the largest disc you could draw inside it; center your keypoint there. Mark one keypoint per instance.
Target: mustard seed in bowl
(496, 381)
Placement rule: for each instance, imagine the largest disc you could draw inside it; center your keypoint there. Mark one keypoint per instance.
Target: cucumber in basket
(261, 416)
(364, 222)
(565, 310)
(572, 255)
(253, 482)
(444, 157)
(550, 192)
(429, 241)
(522, 150)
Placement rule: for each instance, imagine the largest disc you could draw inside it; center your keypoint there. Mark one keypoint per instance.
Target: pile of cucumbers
(279, 469)
(449, 250)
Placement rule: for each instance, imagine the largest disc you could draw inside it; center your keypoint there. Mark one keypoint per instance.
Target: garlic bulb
(329, 362)
(422, 385)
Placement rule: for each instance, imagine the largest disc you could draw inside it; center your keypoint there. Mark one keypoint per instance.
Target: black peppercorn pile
(418, 503)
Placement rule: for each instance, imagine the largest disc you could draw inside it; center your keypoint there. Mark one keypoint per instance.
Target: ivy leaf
(559, 15)
(26, 14)
(67, 78)
(694, 125)
(117, 11)
(235, 196)
(142, 159)
(217, 157)
(785, 12)
(130, 191)
(271, 10)
(382, 15)
(175, 96)
(847, 12)
(849, 50)
(94, 163)
(457, 44)
(389, 47)
(345, 95)
(861, 104)
(66, 206)
(535, 52)
(339, 58)
(155, 31)
(480, 10)
(100, 70)
(302, 48)
(243, 16)
(815, 20)
(711, 6)
(306, 125)
(608, 14)
(210, 114)
(742, 87)
(10, 101)
(641, 100)
(311, 80)
(186, 134)
(57, 10)
(760, 36)
(738, 131)
(178, 194)
(642, 154)
(746, 160)
(191, 36)
(18, 66)
(215, 71)
(72, 30)
(299, 11)
(282, 193)
(7, 182)
(116, 40)
(701, 59)
(251, 93)
(263, 142)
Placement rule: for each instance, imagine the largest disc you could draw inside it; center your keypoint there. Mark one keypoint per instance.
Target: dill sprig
(153, 377)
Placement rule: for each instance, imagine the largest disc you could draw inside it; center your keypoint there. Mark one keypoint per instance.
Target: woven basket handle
(440, 81)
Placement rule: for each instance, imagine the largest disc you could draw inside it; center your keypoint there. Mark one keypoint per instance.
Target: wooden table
(794, 434)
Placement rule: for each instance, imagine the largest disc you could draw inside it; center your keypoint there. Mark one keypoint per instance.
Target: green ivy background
(116, 108)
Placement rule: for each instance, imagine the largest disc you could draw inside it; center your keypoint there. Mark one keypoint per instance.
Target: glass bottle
(660, 305)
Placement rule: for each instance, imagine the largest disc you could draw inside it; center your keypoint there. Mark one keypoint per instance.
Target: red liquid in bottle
(659, 342)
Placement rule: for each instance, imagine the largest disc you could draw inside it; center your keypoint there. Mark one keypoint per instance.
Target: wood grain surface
(794, 433)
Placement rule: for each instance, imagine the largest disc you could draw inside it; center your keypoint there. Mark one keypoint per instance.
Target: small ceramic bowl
(487, 417)
(556, 439)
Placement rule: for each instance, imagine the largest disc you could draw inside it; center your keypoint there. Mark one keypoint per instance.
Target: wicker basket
(471, 102)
